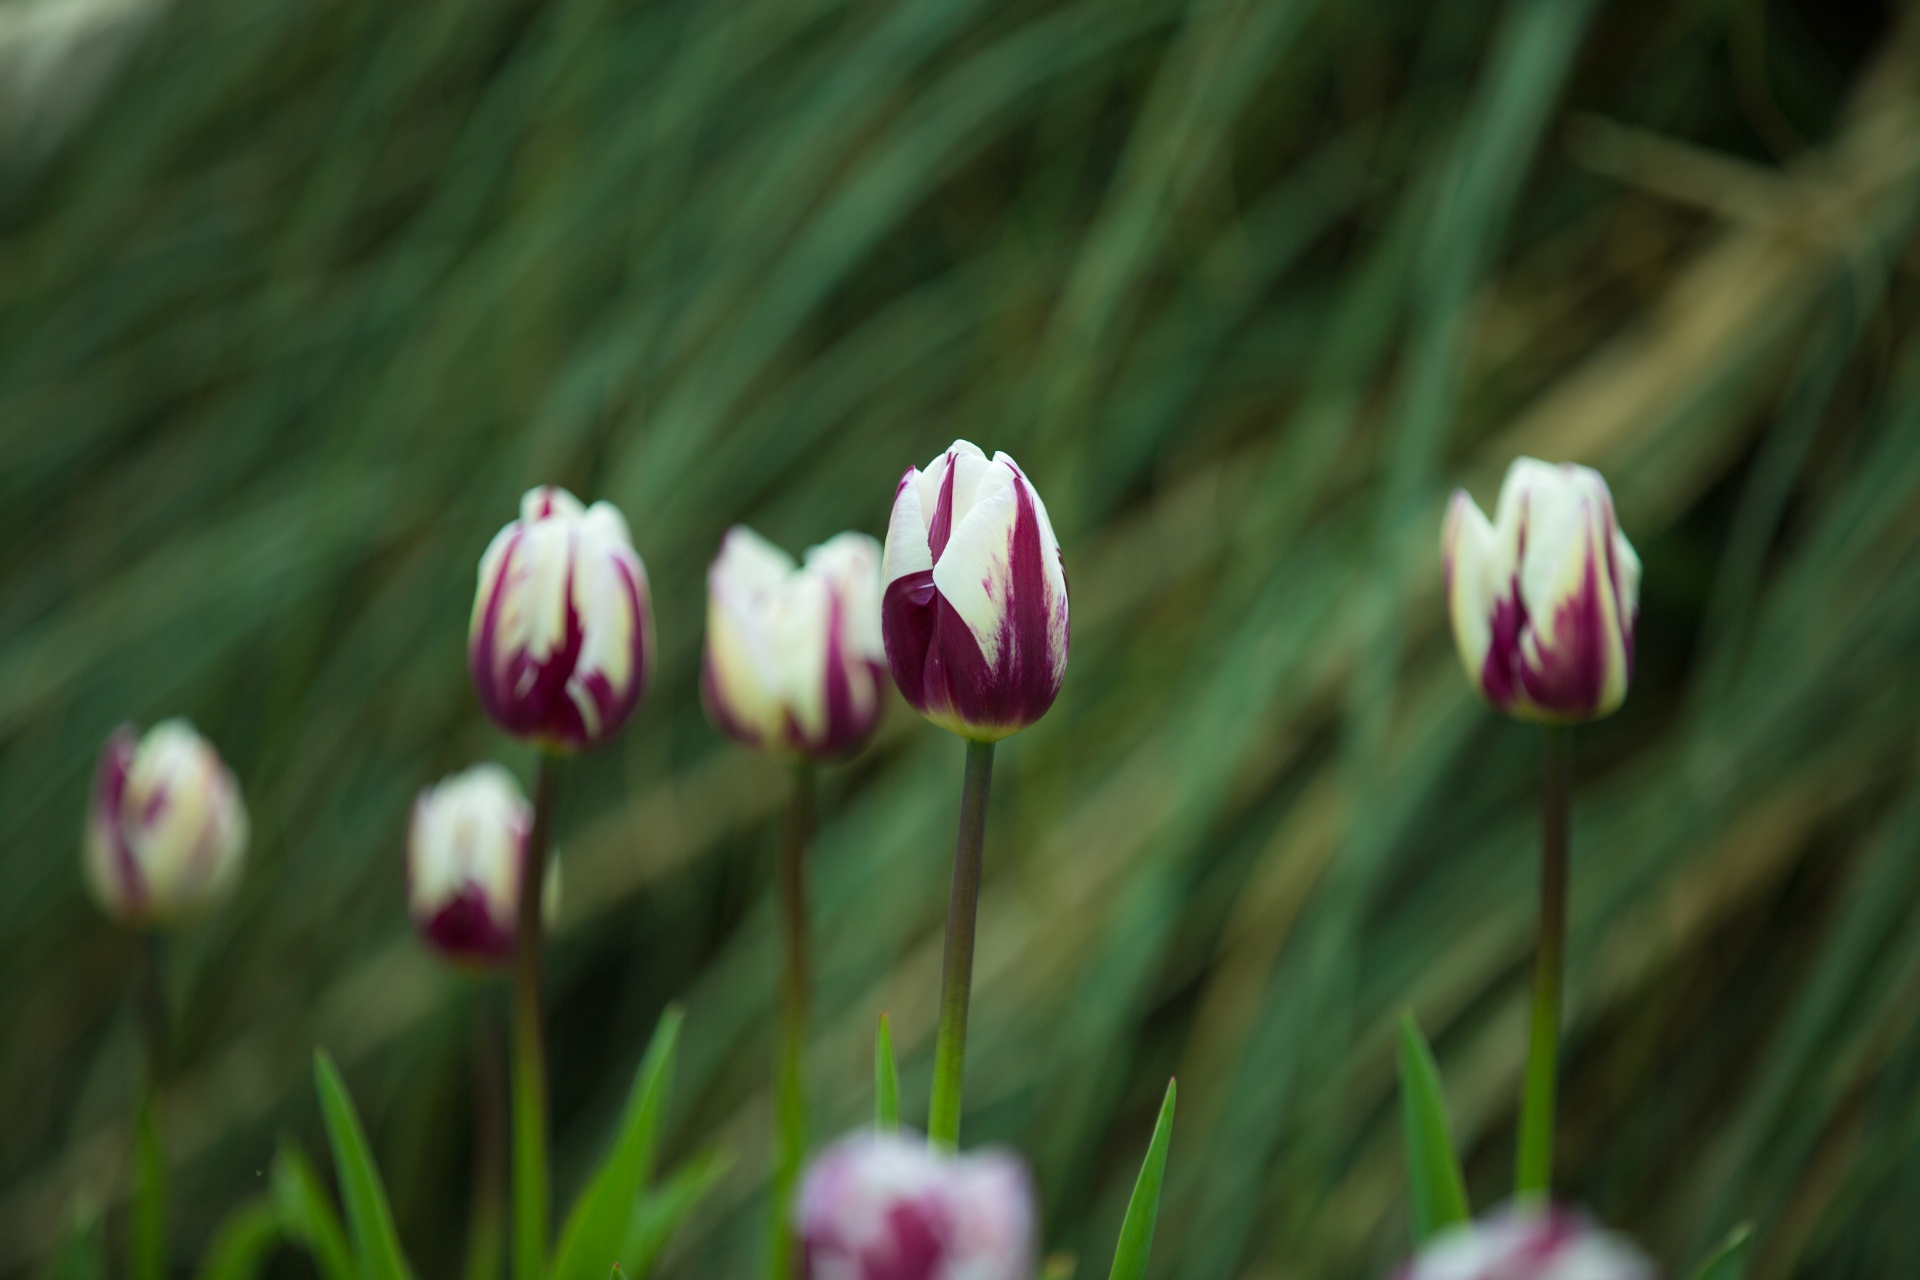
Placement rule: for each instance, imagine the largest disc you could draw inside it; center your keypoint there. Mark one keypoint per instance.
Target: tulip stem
(485, 1231)
(956, 976)
(147, 1236)
(792, 1138)
(1535, 1177)
(529, 1050)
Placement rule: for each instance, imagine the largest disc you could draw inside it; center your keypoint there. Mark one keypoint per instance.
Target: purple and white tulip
(561, 641)
(166, 830)
(465, 845)
(794, 661)
(1522, 1243)
(975, 610)
(1545, 597)
(882, 1206)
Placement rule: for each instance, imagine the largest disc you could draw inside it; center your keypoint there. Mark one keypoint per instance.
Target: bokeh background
(297, 296)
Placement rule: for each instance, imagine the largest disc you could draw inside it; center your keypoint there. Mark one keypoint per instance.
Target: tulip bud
(793, 659)
(975, 611)
(167, 830)
(561, 641)
(880, 1206)
(464, 850)
(1524, 1243)
(1544, 599)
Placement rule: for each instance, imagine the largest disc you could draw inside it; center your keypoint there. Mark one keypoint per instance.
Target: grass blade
(244, 1241)
(307, 1215)
(886, 1080)
(369, 1220)
(662, 1210)
(1433, 1172)
(1729, 1261)
(1136, 1233)
(597, 1228)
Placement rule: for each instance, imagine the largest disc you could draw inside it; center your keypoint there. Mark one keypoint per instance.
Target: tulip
(975, 611)
(464, 849)
(794, 658)
(167, 830)
(880, 1206)
(1519, 1243)
(561, 640)
(1545, 597)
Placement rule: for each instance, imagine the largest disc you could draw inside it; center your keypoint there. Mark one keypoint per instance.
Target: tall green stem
(1535, 1177)
(956, 976)
(147, 1237)
(529, 1049)
(795, 984)
(486, 1231)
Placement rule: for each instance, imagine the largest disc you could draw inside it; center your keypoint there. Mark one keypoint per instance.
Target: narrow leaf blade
(1433, 1173)
(376, 1246)
(1136, 1232)
(1729, 1261)
(147, 1239)
(245, 1239)
(886, 1079)
(307, 1215)
(661, 1211)
(597, 1227)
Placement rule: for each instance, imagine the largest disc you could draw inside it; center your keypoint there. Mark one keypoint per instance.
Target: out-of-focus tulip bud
(561, 641)
(794, 660)
(1524, 1243)
(464, 846)
(1545, 597)
(167, 829)
(880, 1206)
(975, 611)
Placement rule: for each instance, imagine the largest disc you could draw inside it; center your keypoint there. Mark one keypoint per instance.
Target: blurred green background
(297, 296)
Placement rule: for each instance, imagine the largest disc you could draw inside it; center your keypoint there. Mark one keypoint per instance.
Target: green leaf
(1433, 1174)
(307, 1215)
(597, 1227)
(886, 1080)
(375, 1245)
(661, 1211)
(244, 1241)
(1729, 1261)
(82, 1251)
(1136, 1233)
(147, 1234)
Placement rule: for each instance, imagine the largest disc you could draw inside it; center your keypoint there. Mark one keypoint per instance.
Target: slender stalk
(795, 985)
(956, 976)
(486, 1231)
(1535, 1176)
(147, 1236)
(529, 1049)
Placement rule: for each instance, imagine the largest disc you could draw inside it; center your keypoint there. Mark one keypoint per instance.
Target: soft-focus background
(297, 296)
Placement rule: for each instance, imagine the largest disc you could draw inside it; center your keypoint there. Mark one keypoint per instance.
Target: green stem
(1535, 1178)
(486, 1232)
(795, 984)
(529, 1050)
(147, 1237)
(956, 975)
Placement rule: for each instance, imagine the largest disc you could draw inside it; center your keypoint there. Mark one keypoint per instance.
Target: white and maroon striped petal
(1529, 1243)
(166, 828)
(976, 628)
(1544, 598)
(560, 643)
(465, 843)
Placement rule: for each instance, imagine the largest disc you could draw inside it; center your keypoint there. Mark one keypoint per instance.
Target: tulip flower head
(975, 610)
(464, 849)
(794, 660)
(1522, 1243)
(167, 830)
(561, 641)
(1545, 597)
(882, 1206)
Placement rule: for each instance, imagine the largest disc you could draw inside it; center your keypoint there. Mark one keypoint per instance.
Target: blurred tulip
(167, 830)
(561, 641)
(464, 847)
(1518, 1243)
(975, 611)
(1545, 597)
(794, 659)
(882, 1206)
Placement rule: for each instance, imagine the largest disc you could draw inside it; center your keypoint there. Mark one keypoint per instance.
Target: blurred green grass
(319, 286)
